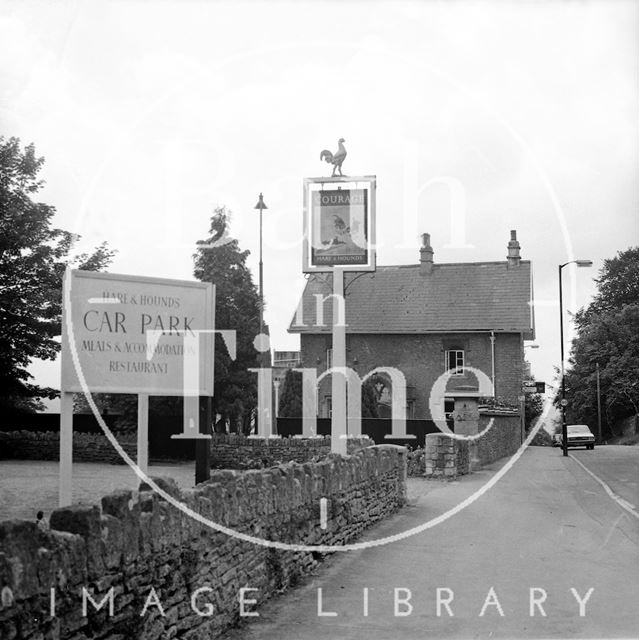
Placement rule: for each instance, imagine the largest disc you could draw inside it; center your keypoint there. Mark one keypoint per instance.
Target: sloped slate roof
(453, 297)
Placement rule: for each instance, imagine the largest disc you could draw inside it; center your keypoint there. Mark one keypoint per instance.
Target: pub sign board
(339, 224)
(106, 325)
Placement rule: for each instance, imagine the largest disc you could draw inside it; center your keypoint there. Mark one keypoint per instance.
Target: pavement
(547, 528)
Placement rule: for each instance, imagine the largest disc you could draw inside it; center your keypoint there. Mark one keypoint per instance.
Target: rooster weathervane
(336, 158)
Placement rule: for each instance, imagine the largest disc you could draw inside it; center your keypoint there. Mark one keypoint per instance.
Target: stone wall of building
(421, 358)
(240, 452)
(509, 367)
(187, 580)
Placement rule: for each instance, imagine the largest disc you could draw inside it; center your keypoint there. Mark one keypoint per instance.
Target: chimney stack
(425, 255)
(513, 250)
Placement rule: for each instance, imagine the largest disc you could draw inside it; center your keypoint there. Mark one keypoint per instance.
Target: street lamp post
(264, 373)
(564, 429)
(261, 206)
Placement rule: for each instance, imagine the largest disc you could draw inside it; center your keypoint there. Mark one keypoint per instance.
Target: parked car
(556, 439)
(580, 435)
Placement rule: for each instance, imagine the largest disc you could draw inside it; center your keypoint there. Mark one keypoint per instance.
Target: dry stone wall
(240, 452)
(162, 574)
(446, 457)
(227, 451)
(45, 445)
(503, 439)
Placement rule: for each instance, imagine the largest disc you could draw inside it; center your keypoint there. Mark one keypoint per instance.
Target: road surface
(616, 466)
(516, 563)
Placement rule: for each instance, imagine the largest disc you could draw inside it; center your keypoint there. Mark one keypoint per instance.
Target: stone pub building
(424, 319)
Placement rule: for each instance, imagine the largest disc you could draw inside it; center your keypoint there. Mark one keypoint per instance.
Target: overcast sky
(151, 114)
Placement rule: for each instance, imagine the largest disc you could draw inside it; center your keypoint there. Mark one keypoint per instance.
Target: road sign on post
(531, 386)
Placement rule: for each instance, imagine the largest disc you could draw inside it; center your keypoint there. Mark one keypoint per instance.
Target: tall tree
(219, 260)
(607, 342)
(33, 258)
(610, 340)
(290, 404)
(617, 286)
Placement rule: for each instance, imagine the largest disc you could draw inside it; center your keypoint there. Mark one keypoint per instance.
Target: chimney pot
(425, 255)
(513, 257)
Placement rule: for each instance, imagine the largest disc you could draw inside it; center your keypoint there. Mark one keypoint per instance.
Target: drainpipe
(492, 370)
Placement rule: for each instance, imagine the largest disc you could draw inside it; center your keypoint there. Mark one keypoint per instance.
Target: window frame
(457, 370)
(328, 406)
(449, 408)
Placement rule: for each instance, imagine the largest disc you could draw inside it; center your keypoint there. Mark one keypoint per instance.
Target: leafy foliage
(33, 258)
(219, 260)
(612, 341)
(370, 399)
(608, 336)
(498, 403)
(618, 286)
(290, 403)
(533, 408)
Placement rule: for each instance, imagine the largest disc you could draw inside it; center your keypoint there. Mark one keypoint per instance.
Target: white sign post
(143, 432)
(339, 236)
(338, 380)
(105, 321)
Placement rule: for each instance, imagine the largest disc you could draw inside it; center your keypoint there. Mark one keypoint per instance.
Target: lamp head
(583, 263)
(260, 203)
